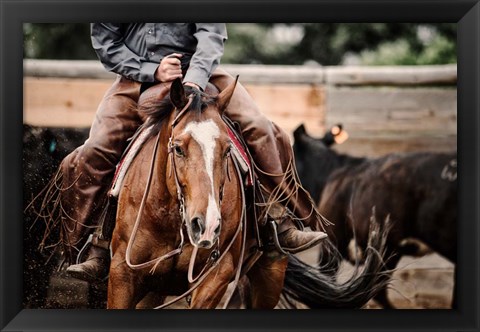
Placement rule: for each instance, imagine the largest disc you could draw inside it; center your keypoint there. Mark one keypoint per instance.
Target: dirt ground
(423, 283)
(418, 283)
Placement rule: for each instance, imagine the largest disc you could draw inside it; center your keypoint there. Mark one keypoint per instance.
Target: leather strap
(100, 242)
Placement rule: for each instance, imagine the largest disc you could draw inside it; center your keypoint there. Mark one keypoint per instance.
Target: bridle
(215, 258)
(171, 157)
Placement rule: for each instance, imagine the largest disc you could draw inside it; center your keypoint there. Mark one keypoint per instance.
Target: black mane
(157, 112)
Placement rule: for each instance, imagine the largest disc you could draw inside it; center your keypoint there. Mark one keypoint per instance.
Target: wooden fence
(384, 109)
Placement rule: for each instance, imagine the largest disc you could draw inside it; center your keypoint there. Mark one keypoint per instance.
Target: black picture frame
(13, 13)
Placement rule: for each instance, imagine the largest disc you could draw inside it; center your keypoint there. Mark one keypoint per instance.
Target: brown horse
(184, 181)
(194, 187)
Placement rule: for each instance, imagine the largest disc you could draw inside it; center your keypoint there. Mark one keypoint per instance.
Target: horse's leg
(241, 295)
(211, 291)
(266, 280)
(124, 285)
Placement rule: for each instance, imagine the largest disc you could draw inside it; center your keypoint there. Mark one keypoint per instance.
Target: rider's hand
(170, 68)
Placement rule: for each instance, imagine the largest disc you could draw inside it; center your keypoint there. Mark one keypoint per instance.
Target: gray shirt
(135, 50)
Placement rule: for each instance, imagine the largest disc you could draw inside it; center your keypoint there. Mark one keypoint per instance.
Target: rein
(155, 261)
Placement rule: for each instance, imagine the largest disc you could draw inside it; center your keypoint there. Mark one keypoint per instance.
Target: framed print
(448, 106)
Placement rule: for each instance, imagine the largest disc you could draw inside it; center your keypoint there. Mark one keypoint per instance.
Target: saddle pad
(130, 153)
(241, 156)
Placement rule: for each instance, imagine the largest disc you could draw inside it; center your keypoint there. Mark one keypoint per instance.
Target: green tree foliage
(322, 43)
(335, 43)
(57, 41)
(250, 43)
(440, 51)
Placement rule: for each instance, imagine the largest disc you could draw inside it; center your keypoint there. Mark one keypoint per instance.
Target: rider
(143, 54)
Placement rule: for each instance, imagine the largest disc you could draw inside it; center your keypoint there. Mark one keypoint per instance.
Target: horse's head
(199, 150)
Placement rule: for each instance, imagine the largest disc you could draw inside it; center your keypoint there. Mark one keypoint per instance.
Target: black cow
(43, 150)
(418, 191)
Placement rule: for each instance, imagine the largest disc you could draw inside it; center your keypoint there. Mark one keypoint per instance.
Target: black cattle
(418, 191)
(43, 150)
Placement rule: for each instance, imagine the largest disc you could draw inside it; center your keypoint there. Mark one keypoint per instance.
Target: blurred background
(391, 85)
(402, 76)
(325, 44)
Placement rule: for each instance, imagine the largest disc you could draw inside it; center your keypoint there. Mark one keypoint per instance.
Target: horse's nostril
(217, 230)
(205, 244)
(197, 225)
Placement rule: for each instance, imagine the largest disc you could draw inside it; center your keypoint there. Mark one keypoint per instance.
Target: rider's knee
(98, 155)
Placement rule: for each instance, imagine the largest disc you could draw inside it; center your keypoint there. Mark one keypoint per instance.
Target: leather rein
(214, 258)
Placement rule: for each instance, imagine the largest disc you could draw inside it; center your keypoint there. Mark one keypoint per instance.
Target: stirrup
(84, 249)
(92, 240)
(273, 225)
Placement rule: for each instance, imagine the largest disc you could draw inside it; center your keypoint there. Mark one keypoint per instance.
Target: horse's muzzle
(204, 236)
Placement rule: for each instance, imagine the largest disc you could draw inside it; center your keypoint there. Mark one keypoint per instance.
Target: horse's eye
(178, 151)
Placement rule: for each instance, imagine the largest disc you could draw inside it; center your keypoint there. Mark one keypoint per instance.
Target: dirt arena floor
(418, 283)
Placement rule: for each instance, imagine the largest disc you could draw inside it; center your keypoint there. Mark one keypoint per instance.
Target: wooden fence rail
(383, 108)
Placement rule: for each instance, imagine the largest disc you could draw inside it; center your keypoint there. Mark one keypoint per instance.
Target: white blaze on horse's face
(205, 133)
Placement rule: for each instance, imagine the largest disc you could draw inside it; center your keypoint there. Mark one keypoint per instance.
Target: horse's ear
(224, 97)
(177, 94)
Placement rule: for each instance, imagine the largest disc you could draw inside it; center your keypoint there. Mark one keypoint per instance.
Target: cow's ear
(177, 94)
(339, 134)
(299, 132)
